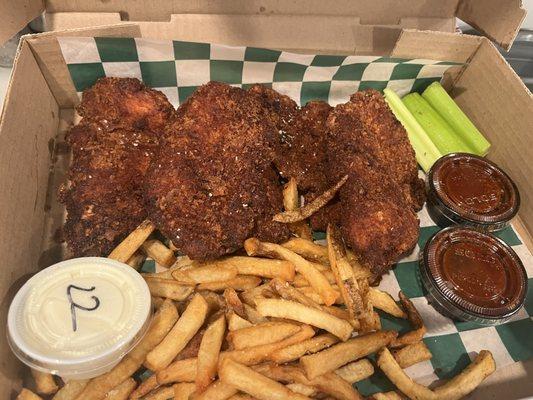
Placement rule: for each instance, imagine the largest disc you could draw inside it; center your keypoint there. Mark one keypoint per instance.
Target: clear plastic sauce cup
(79, 318)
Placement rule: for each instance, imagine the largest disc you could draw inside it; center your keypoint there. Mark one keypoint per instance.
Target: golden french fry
(204, 274)
(287, 292)
(342, 314)
(241, 396)
(26, 394)
(164, 393)
(257, 354)
(136, 260)
(253, 316)
(233, 302)
(240, 282)
(302, 389)
(71, 390)
(356, 371)
(415, 319)
(235, 322)
(157, 302)
(264, 290)
(315, 278)
(340, 354)
(457, 387)
(308, 249)
(300, 281)
(122, 391)
(183, 391)
(291, 202)
(167, 288)
(161, 324)
(310, 208)
(309, 346)
(412, 354)
(216, 301)
(384, 302)
(133, 241)
(386, 396)
(145, 387)
(161, 254)
(268, 332)
(206, 369)
(247, 380)
(263, 267)
(44, 382)
(298, 312)
(217, 390)
(343, 272)
(178, 371)
(369, 320)
(328, 383)
(180, 334)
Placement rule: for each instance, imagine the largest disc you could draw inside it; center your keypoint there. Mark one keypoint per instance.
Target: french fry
(183, 391)
(161, 254)
(241, 396)
(233, 302)
(257, 335)
(298, 312)
(264, 290)
(308, 249)
(133, 241)
(253, 316)
(302, 389)
(291, 202)
(287, 292)
(180, 334)
(44, 382)
(342, 353)
(411, 354)
(369, 320)
(71, 390)
(310, 208)
(415, 319)
(343, 272)
(26, 394)
(309, 346)
(217, 390)
(208, 353)
(257, 354)
(240, 282)
(300, 281)
(161, 324)
(384, 302)
(168, 288)
(386, 396)
(457, 387)
(360, 271)
(356, 371)
(216, 301)
(342, 314)
(145, 387)
(263, 267)
(136, 260)
(235, 322)
(315, 278)
(178, 371)
(164, 393)
(328, 383)
(247, 380)
(204, 274)
(122, 391)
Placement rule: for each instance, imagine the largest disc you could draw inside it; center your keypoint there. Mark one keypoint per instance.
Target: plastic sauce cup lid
(79, 317)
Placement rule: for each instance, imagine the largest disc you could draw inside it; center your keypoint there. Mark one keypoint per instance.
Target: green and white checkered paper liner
(177, 68)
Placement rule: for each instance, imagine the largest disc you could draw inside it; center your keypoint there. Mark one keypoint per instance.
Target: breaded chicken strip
(368, 143)
(111, 150)
(212, 185)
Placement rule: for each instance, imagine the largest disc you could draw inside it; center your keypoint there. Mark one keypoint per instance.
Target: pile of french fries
(290, 321)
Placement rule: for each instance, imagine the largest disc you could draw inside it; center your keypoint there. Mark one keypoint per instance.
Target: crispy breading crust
(368, 143)
(112, 148)
(211, 185)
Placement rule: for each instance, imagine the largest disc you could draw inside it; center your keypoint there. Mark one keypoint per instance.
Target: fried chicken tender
(366, 141)
(111, 150)
(212, 185)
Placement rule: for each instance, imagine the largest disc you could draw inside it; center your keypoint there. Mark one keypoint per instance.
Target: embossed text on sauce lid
(473, 276)
(470, 190)
(78, 318)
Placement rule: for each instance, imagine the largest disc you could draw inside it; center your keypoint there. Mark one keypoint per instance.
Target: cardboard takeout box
(41, 96)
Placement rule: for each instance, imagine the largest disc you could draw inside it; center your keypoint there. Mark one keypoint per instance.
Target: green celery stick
(441, 101)
(425, 151)
(440, 133)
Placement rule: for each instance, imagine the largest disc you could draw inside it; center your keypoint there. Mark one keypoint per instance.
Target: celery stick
(425, 151)
(440, 133)
(441, 101)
